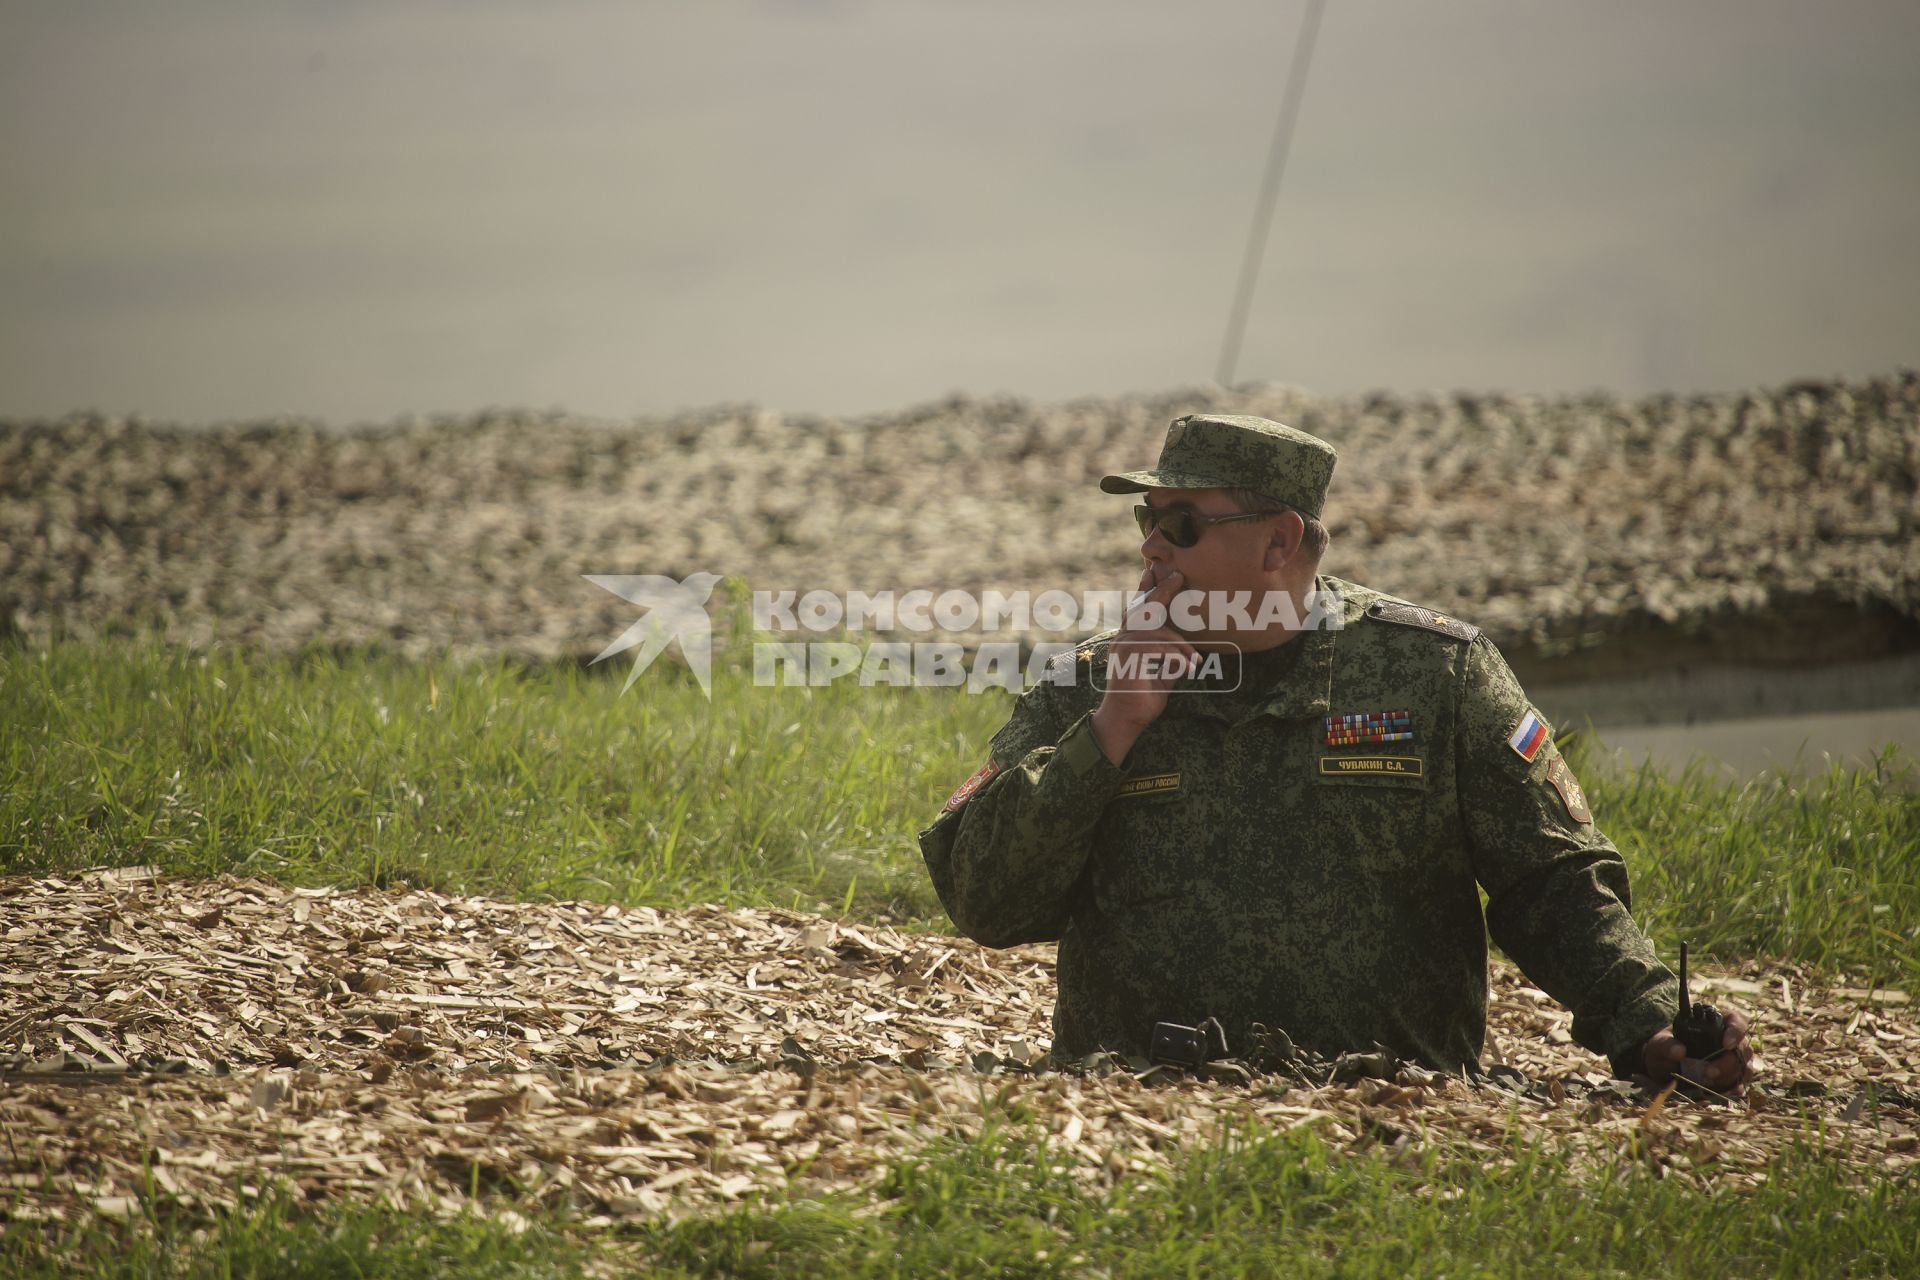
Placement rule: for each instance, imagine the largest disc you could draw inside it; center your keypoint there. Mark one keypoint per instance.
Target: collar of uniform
(1306, 692)
(1307, 671)
(1308, 683)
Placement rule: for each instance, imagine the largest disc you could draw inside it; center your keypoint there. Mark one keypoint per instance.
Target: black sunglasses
(1182, 526)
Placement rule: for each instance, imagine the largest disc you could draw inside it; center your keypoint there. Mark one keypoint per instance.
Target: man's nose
(1156, 549)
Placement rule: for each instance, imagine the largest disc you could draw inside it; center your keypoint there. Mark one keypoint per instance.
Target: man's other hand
(1725, 1072)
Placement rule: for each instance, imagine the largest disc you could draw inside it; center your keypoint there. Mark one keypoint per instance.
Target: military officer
(1299, 852)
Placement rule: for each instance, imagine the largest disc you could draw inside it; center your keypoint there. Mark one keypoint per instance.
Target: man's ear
(1288, 532)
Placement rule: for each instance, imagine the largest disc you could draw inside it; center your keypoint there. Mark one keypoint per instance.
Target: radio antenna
(1269, 191)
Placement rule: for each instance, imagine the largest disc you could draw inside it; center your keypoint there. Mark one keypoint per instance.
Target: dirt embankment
(187, 1040)
(1588, 535)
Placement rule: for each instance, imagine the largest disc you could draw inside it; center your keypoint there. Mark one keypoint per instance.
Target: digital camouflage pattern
(1240, 867)
(1221, 451)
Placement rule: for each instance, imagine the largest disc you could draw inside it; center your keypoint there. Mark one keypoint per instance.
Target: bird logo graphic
(674, 611)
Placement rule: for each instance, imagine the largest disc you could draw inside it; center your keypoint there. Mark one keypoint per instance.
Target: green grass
(1004, 1203)
(542, 782)
(1825, 872)
(547, 782)
(282, 1239)
(1250, 1204)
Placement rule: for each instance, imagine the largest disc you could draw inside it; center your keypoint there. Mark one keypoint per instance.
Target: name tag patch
(1158, 784)
(1372, 766)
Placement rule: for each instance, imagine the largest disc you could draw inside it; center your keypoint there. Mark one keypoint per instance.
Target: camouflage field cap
(1211, 451)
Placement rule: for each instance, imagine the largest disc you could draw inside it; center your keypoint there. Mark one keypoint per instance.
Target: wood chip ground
(199, 1041)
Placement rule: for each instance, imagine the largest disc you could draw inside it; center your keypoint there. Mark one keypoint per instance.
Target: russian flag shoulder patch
(1528, 736)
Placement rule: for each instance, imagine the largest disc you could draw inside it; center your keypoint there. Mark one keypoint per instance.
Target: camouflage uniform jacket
(1238, 866)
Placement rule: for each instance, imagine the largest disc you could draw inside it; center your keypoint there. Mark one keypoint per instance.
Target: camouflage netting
(1554, 523)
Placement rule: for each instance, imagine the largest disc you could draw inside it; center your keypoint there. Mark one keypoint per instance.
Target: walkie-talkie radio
(1700, 1027)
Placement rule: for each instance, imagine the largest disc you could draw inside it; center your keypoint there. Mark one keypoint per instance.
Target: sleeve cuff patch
(966, 789)
(1570, 790)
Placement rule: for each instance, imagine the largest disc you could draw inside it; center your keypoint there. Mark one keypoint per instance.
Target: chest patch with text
(1157, 784)
(1372, 767)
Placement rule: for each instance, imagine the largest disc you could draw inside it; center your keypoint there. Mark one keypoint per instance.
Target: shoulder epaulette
(1412, 615)
(1084, 654)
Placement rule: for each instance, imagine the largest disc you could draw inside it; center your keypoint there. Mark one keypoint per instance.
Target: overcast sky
(354, 211)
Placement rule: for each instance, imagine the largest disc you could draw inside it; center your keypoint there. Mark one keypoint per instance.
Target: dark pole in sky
(1269, 192)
